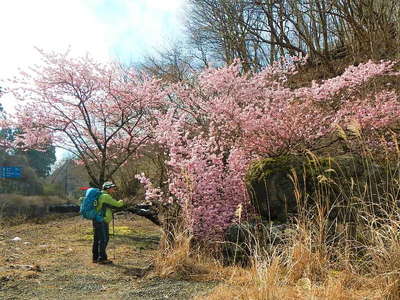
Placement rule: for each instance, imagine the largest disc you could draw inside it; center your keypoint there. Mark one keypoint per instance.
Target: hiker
(101, 229)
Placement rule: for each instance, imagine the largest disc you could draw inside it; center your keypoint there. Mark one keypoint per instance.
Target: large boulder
(270, 187)
(248, 239)
(278, 185)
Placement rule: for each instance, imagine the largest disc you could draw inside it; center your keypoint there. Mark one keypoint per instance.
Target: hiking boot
(104, 262)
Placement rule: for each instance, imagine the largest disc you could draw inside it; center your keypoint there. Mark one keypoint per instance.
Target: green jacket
(107, 201)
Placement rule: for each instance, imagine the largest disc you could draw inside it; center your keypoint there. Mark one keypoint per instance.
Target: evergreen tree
(41, 161)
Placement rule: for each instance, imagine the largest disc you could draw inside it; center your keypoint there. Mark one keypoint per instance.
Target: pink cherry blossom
(218, 126)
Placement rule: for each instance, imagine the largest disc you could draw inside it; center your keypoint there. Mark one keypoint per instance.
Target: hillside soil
(52, 260)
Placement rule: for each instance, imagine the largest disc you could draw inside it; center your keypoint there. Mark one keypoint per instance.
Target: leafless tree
(258, 32)
(171, 64)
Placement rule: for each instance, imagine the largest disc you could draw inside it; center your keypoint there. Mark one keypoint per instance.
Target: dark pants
(100, 240)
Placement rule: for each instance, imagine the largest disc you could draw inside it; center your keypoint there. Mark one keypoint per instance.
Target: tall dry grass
(16, 209)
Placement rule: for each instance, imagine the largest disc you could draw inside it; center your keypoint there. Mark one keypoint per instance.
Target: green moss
(260, 170)
(272, 186)
(123, 231)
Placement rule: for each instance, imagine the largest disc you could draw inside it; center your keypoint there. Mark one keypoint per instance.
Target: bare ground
(53, 261)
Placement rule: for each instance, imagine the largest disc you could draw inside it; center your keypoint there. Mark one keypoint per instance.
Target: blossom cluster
(229, 119)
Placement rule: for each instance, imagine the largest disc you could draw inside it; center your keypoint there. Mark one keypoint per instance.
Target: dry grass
(19, 209)
(22, 200)
(303, 272)
(177, 259)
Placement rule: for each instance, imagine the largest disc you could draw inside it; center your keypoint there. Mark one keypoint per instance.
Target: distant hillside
(69, 177)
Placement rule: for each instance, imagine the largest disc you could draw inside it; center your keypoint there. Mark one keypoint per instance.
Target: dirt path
(53, 261)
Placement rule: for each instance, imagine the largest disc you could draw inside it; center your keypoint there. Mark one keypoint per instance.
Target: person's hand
(129, 201)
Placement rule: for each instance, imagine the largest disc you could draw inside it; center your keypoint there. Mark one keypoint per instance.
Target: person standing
(101, 229)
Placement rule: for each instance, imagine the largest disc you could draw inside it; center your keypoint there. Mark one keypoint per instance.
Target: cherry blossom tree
(228, 119)
(99, 112)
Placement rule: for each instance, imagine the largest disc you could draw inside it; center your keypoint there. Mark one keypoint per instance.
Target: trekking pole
(113, 235)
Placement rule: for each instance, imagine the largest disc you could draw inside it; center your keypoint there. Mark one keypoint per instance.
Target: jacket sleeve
(107, 199)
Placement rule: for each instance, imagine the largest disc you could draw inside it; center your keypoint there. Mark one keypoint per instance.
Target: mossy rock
(271, 188)
(277, 185)
(241, 240)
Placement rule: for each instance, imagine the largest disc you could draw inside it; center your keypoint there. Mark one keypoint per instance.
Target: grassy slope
(53, 261)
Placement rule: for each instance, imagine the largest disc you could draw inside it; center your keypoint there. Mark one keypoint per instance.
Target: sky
(125, 30)
(106, 29)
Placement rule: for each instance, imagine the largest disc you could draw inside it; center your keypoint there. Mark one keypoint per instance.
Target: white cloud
(102, 28)
(166, 5)
(138, 26)
(50, 25)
